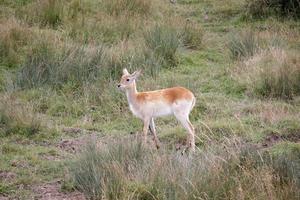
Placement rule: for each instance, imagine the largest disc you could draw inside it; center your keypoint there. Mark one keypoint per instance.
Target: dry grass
(14, 36)
(269, 112)
(126, 170)
(271, 73)
(129, 7)
(192, 35)
(43, 13)
(243, 45)
(18, 118)
(67, 56)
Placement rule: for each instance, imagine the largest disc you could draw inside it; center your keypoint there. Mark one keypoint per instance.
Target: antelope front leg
(145, 130)
(152, 129)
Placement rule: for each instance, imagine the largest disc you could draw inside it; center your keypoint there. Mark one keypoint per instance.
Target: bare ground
(52, 191)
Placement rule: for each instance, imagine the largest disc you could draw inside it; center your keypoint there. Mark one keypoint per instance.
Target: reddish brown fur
(170, 95)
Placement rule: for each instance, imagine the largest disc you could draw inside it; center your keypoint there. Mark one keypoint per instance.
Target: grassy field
(67, 132)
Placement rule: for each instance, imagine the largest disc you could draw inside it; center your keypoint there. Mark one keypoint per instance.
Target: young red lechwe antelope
(177, 101)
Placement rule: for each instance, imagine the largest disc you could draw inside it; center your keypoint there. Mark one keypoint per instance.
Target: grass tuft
(16, 118)
(127, 170)
(192, 35)
(164, 42)
(272, 73)
(43, 12)
(242, 45)
(13, 38)
(46, 65)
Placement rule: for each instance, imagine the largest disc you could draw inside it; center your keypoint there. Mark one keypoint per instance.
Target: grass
(60, 63)
(243, 45)
(44, 13)
(192, 35)
(117, 171)
(17, 119)
(164, 42)
(14, 37)
(260, 8)
(274, 73)
(135, 7)
(46, 66)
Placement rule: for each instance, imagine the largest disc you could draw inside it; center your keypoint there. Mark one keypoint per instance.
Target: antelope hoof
(157, 146)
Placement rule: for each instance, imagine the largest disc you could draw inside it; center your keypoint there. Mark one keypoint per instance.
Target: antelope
(177, 101)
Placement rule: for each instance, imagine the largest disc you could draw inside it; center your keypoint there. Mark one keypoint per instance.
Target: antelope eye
(128, 79)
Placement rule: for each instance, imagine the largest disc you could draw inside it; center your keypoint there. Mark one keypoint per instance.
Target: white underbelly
(162, 111)
(155, 109)
(158, 109)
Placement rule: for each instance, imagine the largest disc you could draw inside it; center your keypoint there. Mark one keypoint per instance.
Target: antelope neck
(131, 94)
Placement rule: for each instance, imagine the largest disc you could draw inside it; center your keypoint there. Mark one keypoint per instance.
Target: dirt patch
(274, 138)
(19, 164)
(7, 176)
(52, 191)
(50, 157)
(270, 140)
(3, 198)
(74, 145)
(292, 137)
(71, 145)
(77, 131)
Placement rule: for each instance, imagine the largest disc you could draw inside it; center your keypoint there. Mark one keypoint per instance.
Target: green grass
(28, 164)
(243, 45)
(164, 42)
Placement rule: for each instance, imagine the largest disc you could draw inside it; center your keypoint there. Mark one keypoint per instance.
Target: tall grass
(134, 57)
(17, 118)
(43, 12)
(101, 173)
(126, 170)
(244, 44)
(164, 42)
(192, 35)
(46, 65)
(74, 65)
(272, 73)
(13, 38)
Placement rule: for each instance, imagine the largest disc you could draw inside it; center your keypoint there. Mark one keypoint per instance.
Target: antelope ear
(125, 72)
(136, 74)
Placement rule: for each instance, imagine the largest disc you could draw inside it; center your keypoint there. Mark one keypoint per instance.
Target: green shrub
(242, 45)
(164, 42)
(283, 8)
